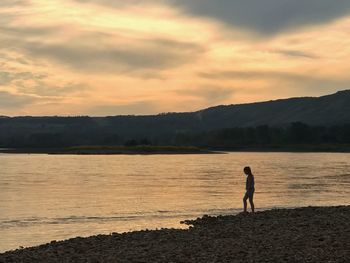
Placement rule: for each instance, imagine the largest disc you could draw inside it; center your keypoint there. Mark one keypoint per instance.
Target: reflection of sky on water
(46, 197)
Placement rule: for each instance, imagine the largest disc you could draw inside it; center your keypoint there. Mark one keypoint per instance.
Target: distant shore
(311, 234)
(112, 150)
(152, 149)
(316, 148)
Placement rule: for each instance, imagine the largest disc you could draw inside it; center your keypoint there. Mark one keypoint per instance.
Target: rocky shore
(311, 234)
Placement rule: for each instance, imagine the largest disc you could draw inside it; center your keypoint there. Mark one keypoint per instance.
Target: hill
(325, 111)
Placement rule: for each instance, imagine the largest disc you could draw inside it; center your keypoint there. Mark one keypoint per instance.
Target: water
(55, 197)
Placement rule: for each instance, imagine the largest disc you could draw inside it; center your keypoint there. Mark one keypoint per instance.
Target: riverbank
(312, 234)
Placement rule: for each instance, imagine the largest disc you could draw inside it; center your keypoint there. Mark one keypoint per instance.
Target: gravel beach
(311, 234)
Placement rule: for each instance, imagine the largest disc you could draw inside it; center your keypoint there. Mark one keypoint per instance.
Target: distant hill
(325, 111)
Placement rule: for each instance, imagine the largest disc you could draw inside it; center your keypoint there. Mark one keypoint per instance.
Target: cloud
(101, 52)
(9, 77)
(234, 75)
(269, 16)
(127, 3)
(14, 101)
(153, 54)
(304, 80)
(116, 3)
(44, 89)
(28, 31)
(296, 53)
(11, 3)
(94, 47)
(134, 57)
(278, 82)
(265, 17)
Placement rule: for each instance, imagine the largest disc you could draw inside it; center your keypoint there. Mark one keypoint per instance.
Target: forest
(294, 136)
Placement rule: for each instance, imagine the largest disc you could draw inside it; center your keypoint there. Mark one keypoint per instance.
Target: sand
(312, 234)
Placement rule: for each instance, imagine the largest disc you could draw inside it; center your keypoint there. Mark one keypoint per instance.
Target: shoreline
(309, 234)
(202, 151)
(117, 150)
(322, 148)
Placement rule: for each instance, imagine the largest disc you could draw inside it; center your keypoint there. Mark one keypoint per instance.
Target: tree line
(296, 134)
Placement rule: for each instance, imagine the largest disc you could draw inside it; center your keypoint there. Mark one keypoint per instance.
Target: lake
(55, 197)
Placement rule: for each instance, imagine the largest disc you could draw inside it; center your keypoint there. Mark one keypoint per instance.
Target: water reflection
(46, 197)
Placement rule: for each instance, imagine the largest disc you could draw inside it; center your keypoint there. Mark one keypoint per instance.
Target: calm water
(51, 197)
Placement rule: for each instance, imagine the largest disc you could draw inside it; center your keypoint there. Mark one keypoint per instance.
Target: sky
(112, 57)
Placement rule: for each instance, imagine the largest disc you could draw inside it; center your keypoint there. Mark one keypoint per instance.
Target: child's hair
(247, 170)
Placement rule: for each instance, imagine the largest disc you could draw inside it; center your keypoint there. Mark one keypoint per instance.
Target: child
(249, 189)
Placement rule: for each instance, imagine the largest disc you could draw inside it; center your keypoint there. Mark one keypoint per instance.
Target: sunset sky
(111, 57)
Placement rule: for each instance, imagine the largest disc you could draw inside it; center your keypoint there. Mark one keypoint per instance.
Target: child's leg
(251, 201)
(245, 202)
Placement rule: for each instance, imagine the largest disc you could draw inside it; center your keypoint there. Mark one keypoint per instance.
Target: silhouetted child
(249, 189)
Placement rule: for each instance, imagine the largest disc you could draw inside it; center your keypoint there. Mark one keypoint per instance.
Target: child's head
(247, 170)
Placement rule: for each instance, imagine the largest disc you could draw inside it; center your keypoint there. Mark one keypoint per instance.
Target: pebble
(282, 235)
